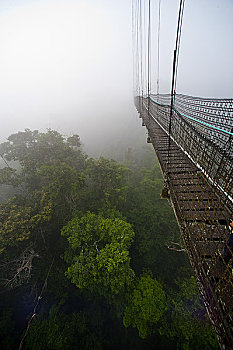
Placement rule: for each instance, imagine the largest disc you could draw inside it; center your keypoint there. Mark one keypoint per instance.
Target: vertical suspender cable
(141, 54)
(174, 72)
(138, 23)
(158, 48)
(137, 58)
(178, 43)
(148, 60)
(145, 49)
(139, 48)
(133, 46)
(148, 52)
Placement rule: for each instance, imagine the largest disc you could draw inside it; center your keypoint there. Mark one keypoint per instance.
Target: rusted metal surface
(199, 175)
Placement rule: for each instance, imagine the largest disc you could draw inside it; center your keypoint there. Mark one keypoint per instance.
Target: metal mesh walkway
(198, 168)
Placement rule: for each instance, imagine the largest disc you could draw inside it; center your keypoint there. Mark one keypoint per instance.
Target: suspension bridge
(193, 140)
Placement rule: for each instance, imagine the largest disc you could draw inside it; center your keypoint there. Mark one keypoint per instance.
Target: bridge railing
(212, 117)
(212, 158)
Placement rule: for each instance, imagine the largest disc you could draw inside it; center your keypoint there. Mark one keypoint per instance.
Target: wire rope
(148, 48)
(136, 45)
(178, 42)
(141, 53)
(145, 51)
(174, 74)
(158, 48)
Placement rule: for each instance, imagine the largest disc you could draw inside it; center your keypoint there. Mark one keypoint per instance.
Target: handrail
(194, 119)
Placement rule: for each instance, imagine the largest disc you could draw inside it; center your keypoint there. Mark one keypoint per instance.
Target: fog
(205, 60)
(67, 64)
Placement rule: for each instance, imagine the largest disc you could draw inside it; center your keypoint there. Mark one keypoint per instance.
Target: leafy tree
(43, 165)
(33, 149)
(107, 183)
(63, 185)
(18, 219)
(153, 222)
(47, 172)
(62, 332)
(188, 326)
(146, 305)
(99, 254)
(51, 184)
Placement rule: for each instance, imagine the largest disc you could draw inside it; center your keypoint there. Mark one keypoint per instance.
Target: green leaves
(17, 220)
(93, 230)
(186, 321)
(57, 186)
(107, 182)
(8, 176)
(99, 251)
(33, 149)
(48, 180)
(58, 332)
(146, 305)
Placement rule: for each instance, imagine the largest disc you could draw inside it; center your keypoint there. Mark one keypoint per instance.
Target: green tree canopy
(33, 149)
(46, 170)
(108, 183)
(187, 323)
(62, 332)
(146, 305)
(99, 253)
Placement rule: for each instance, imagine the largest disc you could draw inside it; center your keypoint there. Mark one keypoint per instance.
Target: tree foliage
(99, 253)
(47, 178)
(103, 225)
(146, 305)
(188, 326)
(62, 332)
(107, 184)
(18, 219)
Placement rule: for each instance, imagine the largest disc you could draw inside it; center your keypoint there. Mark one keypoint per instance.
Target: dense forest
(84, 252)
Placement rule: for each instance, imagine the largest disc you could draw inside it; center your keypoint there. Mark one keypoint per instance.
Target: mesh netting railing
(209, 148)
(212, 117)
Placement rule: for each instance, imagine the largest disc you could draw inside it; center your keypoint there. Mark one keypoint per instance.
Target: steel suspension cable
(141, 52)
(158, 48)
(145, 51)
(133, 46)
(174, 73)
(149, 59)
(178, 43)
(148, 48)
(137, 52)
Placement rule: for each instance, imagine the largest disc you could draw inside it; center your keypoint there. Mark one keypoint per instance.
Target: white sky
(67, 64)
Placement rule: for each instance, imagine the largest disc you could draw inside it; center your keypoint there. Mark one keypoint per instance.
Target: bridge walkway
(202, 215)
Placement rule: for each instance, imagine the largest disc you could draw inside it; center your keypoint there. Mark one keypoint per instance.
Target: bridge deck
(203, 213)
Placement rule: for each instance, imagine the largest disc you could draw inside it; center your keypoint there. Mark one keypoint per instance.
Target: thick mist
(67, 64)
